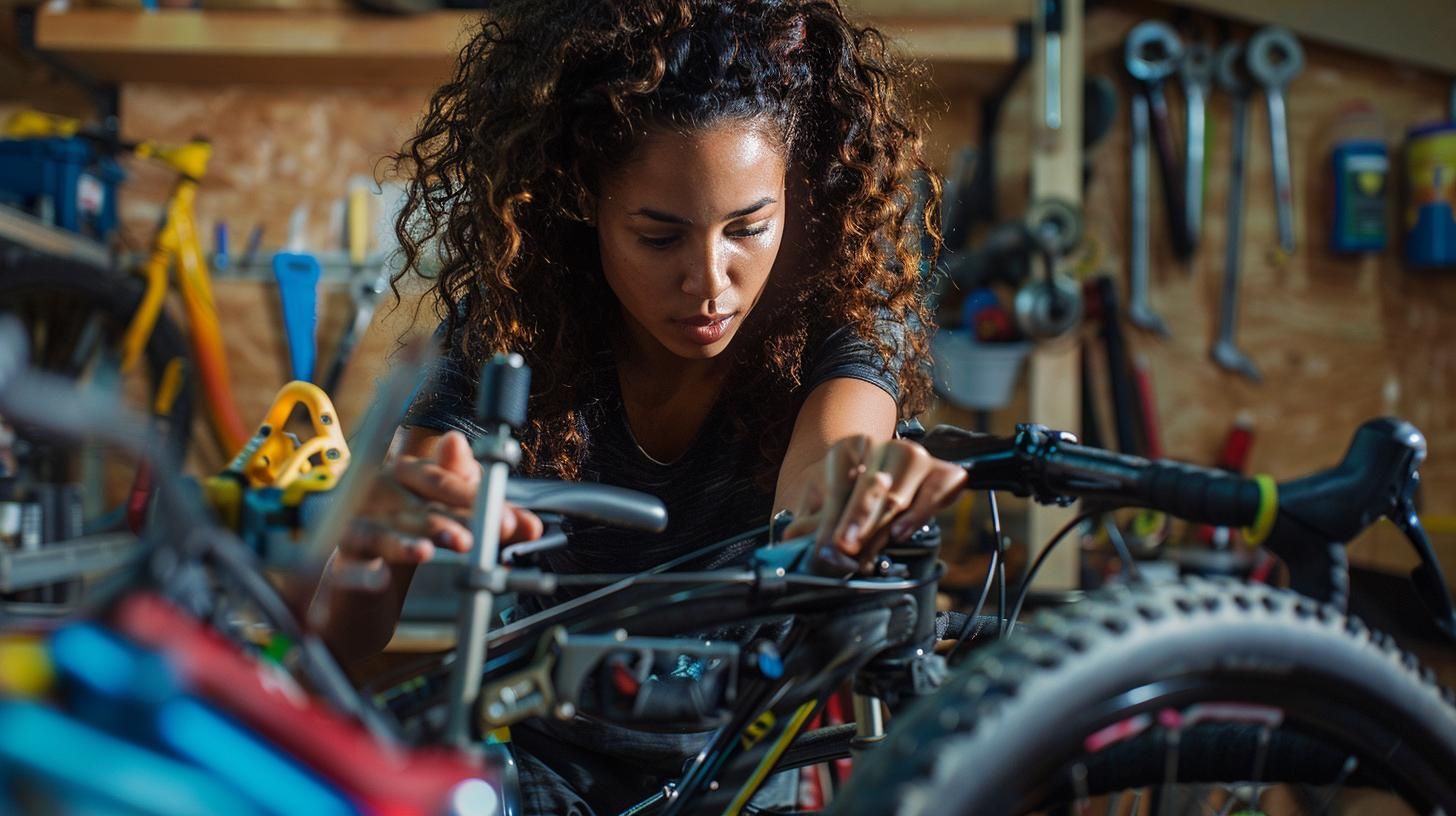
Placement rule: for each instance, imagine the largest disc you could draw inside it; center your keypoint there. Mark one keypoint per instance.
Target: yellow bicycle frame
(177, 240)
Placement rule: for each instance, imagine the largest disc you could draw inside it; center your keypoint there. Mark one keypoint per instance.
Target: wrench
(1233, 79)
(1273, 57)
(1152, 52)
(1139, 310)
(1195, 73)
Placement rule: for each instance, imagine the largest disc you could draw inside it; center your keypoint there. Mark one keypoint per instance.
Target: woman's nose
(707, 275)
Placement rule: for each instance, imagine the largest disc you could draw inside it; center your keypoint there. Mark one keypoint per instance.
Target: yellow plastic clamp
(276, 461)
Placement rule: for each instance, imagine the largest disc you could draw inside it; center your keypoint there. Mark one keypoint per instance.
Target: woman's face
(689, 228)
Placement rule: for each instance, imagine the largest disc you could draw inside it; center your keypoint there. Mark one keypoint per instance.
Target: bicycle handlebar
(604, 504)
(1306, 522)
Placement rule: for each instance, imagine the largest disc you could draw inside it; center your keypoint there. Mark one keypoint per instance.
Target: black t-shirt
(707, 492)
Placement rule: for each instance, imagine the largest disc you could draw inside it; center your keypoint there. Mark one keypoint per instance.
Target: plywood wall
(1338, 340)
(276, 151)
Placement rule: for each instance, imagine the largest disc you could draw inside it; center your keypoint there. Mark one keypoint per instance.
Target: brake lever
(599, 503)
(1429, 580)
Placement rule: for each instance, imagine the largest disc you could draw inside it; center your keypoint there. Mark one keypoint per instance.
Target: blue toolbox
(64, 181)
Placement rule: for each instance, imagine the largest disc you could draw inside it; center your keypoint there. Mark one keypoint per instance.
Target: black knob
(505, 389)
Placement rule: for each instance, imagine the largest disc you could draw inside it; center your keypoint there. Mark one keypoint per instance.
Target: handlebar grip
(1201, 495)
(505, 390)
(1197, 494)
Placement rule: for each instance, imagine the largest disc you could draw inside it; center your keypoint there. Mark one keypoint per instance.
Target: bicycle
(175, 245)
(955, 750)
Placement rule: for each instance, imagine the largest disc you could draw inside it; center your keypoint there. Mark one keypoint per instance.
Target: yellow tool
(263, 494)
(278, 459)
(29, 124)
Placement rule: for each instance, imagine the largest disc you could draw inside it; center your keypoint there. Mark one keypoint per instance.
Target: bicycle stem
(504, 391)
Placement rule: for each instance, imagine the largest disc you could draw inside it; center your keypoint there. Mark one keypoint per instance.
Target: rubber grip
(505, 391)
(1200, 494)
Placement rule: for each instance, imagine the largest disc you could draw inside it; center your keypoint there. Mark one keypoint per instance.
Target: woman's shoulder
(846, 350)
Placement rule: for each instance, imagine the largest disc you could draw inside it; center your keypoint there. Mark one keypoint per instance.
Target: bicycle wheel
(1164, 686)
(75, 315)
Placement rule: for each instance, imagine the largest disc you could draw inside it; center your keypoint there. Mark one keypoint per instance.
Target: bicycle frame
(838, 629)
(176, 245)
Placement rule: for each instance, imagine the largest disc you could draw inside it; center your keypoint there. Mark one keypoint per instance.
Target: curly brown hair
(548, 95)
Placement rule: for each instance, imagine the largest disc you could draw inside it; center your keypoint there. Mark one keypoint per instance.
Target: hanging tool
(1103, 306)
(1051, 14)
(1099, 112)
(298, 276)
(981, 199)
(364, 288)
(1140, 310)
(1195, 74)
(1050, 306)
(1152, 53)
(1234, 80)
(1273, 58)
(1148, 529)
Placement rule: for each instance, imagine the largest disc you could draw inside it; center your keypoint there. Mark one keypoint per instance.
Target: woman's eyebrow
(669, 218)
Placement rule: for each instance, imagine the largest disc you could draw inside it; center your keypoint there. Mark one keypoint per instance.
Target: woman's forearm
(362, 621)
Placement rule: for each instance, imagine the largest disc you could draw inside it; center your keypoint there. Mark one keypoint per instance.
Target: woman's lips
(704, 329)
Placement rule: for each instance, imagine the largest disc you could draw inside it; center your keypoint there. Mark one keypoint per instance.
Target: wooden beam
(1052, 373)
(264, 47)
(1415, 32)
(349, 48)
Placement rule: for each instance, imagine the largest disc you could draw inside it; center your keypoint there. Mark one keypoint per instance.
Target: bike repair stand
(505, 386)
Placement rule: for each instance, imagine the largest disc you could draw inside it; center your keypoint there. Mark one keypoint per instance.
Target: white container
(973, 375)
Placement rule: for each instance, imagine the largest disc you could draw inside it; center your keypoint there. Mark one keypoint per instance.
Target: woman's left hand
(867, 494)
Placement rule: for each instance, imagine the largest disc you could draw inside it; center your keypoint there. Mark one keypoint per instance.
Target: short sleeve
(845, 354)
(446, 401)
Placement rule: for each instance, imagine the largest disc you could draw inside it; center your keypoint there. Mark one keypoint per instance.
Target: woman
(693, 219)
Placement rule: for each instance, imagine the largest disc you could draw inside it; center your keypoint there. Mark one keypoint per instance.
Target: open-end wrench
(1273, 58)
(1195, 74)
(1152, 53)
(1234, 80)
(1139, 309)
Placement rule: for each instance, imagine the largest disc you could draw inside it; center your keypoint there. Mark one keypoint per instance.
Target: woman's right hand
(418, 504)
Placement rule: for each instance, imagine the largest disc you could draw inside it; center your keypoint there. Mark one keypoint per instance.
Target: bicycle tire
(1009, 724)
(27, 278)
(820, 745)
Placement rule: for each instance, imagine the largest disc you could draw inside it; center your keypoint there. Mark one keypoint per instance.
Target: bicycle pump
(505, 387)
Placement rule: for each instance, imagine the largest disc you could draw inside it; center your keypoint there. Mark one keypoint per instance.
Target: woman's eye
(750, 232)
(657, 241)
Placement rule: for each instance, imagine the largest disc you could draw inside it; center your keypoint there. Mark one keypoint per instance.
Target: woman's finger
(938, 489)
(802, 525)
(433, 482)
(844, 466)
(367, 540)
(453, 453)
(908, 465)
(860, 512)
(518, 524)
(806, 510)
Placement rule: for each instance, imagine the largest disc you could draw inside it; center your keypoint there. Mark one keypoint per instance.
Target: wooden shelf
(348, 48)
(292, 48)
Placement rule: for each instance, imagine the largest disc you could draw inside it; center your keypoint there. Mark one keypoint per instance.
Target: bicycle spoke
(1079, 787)
(1230, 803)
(1170, 769)
(1349, 767)
(87, 346)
